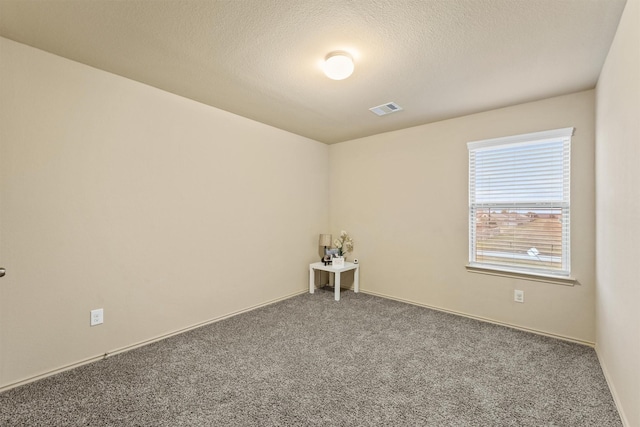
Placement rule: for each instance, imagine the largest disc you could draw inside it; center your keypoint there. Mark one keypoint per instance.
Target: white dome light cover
(338, 65)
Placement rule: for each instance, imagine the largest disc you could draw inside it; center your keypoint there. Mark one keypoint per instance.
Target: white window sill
(547, 278)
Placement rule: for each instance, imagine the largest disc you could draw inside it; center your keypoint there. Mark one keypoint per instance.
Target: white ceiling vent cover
(384, 109)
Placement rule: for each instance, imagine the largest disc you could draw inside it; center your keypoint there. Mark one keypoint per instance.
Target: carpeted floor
(312, 361)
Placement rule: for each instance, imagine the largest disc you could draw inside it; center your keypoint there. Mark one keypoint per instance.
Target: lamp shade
(325, 240)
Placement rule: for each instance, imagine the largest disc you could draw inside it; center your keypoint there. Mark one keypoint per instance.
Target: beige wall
(404, 198)
(161, 210)
(618, 212)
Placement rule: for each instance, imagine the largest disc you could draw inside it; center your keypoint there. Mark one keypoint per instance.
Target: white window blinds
(519, 202)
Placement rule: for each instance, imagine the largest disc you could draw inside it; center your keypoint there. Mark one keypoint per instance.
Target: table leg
(337, 286)
(356, 280)
(312, 280)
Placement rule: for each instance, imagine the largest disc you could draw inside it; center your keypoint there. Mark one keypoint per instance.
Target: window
(519, 203)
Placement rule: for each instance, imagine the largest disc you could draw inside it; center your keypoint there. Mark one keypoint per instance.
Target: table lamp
(325, 240)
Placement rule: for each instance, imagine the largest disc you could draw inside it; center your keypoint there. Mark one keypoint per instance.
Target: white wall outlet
(97, 317)
(518, 296)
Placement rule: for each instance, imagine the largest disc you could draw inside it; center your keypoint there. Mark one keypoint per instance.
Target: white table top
(347, 266)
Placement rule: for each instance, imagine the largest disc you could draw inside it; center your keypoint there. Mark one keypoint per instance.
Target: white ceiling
(261, 58)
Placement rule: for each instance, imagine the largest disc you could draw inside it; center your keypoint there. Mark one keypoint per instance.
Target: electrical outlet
(97, 317)
(518, 296)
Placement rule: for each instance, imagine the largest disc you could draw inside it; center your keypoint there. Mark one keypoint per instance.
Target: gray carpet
(312, 361)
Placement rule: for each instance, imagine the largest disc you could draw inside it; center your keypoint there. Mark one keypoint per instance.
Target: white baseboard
(483, 319)
(612, 389)
(143, 343)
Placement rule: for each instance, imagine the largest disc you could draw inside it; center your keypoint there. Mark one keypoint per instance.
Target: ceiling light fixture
(338, 65)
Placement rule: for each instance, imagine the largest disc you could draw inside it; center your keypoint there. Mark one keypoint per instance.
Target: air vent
(388, 108)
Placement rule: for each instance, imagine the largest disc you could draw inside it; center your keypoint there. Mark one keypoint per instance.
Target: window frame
(562, 276)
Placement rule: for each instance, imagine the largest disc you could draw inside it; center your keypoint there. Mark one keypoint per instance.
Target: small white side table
(336, 270)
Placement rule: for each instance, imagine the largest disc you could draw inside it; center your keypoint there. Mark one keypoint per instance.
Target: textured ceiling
(261, 58)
